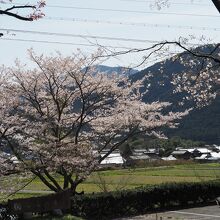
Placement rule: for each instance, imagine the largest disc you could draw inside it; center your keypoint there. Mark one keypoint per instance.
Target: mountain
(112, 70)
(201, 124)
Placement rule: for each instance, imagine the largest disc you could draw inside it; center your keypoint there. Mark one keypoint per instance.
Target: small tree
(60, 116)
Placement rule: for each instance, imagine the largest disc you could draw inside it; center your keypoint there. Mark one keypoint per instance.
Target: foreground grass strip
(67, 217)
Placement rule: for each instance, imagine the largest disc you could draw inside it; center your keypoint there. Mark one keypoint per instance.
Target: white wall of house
(113, 158)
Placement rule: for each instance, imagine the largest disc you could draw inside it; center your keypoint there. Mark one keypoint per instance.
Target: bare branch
(23, 18)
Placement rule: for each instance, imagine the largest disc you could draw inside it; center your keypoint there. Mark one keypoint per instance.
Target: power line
(172, 3)
(132, 11)
(133, 24)
(85, 37)
(76, 44)
(80, 36)
(62, 43)
(128, 11)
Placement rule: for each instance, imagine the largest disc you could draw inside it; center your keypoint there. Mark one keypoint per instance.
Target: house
(137, 160)
(142, 156)
(153, 156)
(138, 152)
(202, 158)
(114, 158)
(191, 153)
(169, 158)
(210, 157)
(200, 151)
(182, 154)
(215, 157)
(152, 152)
(215, 148)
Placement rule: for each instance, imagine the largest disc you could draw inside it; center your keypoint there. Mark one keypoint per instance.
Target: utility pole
(217, 4)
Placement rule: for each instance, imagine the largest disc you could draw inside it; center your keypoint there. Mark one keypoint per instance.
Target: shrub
(144, 199)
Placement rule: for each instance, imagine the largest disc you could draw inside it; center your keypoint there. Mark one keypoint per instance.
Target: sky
(116, 24)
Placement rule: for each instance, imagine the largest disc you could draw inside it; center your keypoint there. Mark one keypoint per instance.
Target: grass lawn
(67, 217)
(131, 178)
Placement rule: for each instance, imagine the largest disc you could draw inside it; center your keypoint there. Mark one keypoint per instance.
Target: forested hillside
(201, 124)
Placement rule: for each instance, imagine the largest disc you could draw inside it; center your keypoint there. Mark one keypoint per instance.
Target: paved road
(201, 213)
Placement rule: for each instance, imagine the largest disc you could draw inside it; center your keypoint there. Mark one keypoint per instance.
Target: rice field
(119, 179)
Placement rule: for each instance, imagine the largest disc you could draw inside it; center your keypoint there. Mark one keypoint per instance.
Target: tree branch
(217, 4)
(23, 18)
(52, 180)
(44, 180)
(19, 7)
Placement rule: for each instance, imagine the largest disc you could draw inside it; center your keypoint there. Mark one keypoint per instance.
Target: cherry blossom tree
(15, 10)
(201, 78)
(60, 116)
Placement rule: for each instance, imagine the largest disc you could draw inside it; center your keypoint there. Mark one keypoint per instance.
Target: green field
(112, 180)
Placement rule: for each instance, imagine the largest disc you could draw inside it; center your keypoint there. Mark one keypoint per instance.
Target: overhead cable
(132, 23)
(128, 11)
(84, 36)
(133, 11)
(79, 35)
(172, 3)
(62, 43)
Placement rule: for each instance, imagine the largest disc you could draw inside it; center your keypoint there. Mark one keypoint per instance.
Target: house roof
(216, 147)
(179, 152)
(113, 158)
(202, 157)
(190, 150)
(215, 155)
(107, 150)
(139, 150)
(140, 157)
(203, 150)
(151, 150)
(169, 158)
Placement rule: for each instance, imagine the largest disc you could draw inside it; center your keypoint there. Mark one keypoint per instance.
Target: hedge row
(144, 199)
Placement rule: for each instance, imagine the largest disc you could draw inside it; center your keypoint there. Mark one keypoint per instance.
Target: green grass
(67, 217)
(112, 180)
(130, 178)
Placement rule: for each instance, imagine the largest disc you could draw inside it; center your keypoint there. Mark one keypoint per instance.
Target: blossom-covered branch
(13, 10)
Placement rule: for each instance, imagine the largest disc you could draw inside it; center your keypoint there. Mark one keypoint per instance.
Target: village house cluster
(209, 153)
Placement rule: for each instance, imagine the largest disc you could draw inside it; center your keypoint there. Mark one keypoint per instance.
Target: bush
(143, 199)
